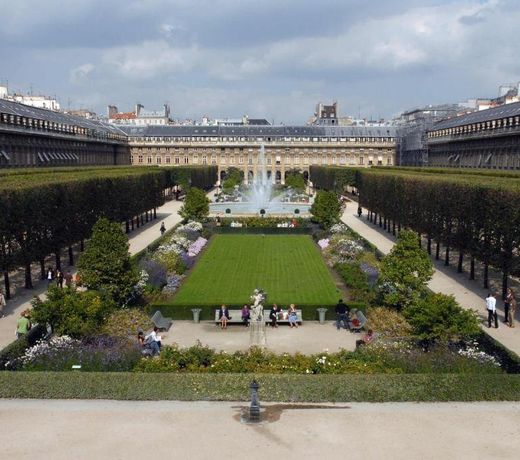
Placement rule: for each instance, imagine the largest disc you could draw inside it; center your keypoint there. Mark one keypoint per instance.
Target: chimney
(112, 110)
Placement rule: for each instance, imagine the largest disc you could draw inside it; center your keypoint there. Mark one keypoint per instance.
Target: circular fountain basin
(272, 208)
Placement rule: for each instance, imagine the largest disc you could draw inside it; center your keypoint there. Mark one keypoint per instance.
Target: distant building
(140, 116)
(326, 114)
(35, 137)
(40, 101)
(485, 139)
(412, 128)
(83, 113)
(244, 121)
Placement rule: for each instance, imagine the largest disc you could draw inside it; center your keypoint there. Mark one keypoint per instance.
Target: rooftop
(503, 111)
(259, 130)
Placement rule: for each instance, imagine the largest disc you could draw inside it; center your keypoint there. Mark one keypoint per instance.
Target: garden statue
(257, 309)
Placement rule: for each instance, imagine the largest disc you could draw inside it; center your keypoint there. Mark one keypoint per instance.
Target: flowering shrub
(191, 230)
(125, 323)
(338, 228)
(323, 243)
(102, 353)
(156, 272)
(172, 284)
(197, 246)
(347, 248)
(388, 322)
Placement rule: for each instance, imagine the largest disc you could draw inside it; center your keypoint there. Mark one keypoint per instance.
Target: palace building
(34, 137)
(286, 147)
(485, 139)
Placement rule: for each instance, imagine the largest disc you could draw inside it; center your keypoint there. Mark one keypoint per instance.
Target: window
(149, 160)
(186, 160)
(241, 160)
(278, 159)
(269, 160)
(176, 160)
(249, 161)
(204, 160)
(361, 160)
(168, 160)
(158, 160)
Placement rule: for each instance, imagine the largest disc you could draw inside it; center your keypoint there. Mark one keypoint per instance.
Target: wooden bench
(161, 322)
(236, 317)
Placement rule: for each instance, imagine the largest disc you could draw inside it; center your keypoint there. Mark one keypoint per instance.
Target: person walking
(511, 303)
(3, 304)
(23, 325)
(59, 279)
(50, 276)
(491, 306)
(163, 228)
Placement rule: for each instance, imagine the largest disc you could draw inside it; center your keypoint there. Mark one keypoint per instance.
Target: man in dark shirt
(342, 312)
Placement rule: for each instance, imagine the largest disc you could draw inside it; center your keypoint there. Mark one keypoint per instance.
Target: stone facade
(486, 139)
(33, 137)
(286, 148)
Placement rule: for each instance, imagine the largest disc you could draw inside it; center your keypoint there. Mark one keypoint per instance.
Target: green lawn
(289, 268)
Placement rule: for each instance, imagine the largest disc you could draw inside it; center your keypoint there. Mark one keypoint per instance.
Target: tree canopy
(196, 205)
(326, 208)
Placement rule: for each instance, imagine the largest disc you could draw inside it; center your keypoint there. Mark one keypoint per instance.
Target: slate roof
(22, 110)
(258, 131)
(503, 111)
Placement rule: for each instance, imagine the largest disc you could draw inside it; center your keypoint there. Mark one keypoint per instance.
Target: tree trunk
(58, 259)
(472, 269)
(155, 213)
(393, 227)
(380, 221)
(132, 223)
(384, 223)
(505, 276)
(419, 240)
(28, 278)
(429, 245)
(146, 216)
(71, 256)
(137, 223)
(127, 227)
(438, 251)
(399, 226)
(369, 215)
(461, 259)
(447, 258)
(82, 246)
(7, 285)
(42, 269)
(486, 275)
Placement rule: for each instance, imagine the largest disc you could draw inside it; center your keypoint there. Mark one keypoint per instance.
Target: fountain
(259, 197)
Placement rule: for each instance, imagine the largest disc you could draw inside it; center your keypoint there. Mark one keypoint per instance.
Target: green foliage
(295, 180)
(196, 205)
(105, 264)
(235, 387)
(234, 176)
(73, 313)
(387, 322)
(289, 268)
(263, 222)
(438, 317)
(326, 208)
(333, 178)
(407, 269)
(355, 280)
(125, 323)
(13, 351)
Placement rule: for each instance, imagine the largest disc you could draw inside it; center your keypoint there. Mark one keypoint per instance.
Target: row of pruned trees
(476, 213)
(44, 214)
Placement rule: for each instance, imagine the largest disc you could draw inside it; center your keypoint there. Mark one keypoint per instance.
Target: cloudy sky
(266, 58)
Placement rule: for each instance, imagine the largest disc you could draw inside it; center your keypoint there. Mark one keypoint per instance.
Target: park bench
(236, 317)
(161, 322)
(362, 321)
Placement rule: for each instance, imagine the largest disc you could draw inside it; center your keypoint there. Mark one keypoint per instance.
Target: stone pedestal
(257, 334)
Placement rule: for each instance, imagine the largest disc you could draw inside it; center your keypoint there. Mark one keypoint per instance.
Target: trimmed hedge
(183, 312)
(235, 387)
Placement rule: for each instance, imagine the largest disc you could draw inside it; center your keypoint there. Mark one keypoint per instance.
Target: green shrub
(196, 205)
(355, 280)
(440, 317)
(326, 209)
(235, 387)
(73, 313)
(125, 323)
(12, 352)
(387, 322)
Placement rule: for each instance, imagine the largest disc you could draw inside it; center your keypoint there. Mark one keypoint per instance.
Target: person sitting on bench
(293, 316)
(150, 347)
(273, 315)
(223, 316)
(246, 315)
(369, 336)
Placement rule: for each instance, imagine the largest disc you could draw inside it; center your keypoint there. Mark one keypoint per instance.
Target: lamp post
(254, 409)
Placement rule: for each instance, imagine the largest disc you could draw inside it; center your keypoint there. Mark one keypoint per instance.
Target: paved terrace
(469, 294)
(201, 430)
